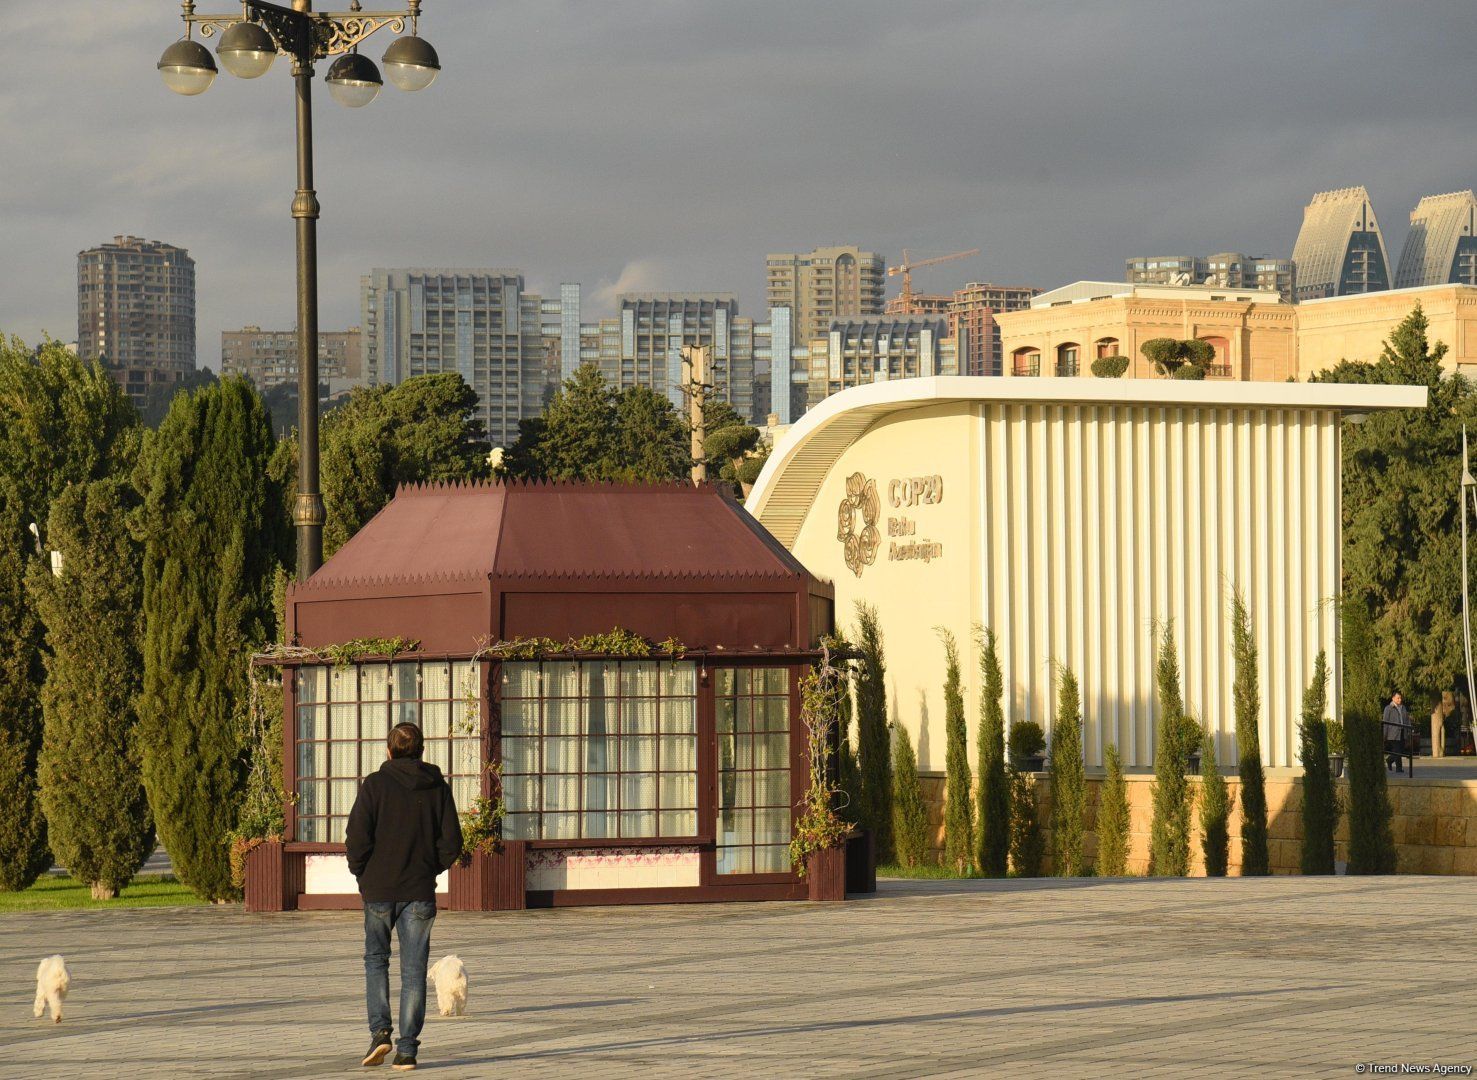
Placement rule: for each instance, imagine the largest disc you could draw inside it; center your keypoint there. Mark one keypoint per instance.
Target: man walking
(403, 832)
(1396, 722)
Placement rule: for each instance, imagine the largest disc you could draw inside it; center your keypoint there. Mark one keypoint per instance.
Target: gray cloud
(672, 143)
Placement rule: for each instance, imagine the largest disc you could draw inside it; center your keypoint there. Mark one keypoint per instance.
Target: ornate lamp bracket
(306, 36)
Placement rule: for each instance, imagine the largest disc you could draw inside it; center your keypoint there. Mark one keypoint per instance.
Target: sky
(671, 144)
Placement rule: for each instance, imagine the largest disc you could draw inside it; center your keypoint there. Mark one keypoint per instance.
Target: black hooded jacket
(403, 831)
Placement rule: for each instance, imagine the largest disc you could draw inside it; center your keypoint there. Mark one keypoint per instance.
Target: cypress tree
(23, 852)
(874, 753)
(1169, 836)
(848, 778)
(909, 812)
(1027, 844)
(994, 786)
(1068, 781)
(1255, 861)
(213, 535)
(1112, 819)
(97, 815)
(1215, 809)
(1371, 842)
(1320, 802)
(958, 811)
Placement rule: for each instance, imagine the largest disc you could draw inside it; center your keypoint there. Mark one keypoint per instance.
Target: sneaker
(379, 1048)
(403, 1062)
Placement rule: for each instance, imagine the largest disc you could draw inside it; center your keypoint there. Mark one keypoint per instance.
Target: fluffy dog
(52, 983)
(451, 985)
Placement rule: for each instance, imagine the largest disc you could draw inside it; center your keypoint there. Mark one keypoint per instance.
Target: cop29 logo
(859, 539)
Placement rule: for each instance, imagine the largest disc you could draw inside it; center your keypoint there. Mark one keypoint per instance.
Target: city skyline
(1062, 181)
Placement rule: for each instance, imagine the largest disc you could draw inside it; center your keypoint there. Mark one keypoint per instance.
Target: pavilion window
(754, 799)
(344, 714)
(599, 749)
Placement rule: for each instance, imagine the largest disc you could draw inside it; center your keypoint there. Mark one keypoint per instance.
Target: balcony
(1066, 369)
(1027, 367)
(1218, 371)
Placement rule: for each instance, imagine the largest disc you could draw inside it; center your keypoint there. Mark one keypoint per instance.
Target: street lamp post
(249, 43)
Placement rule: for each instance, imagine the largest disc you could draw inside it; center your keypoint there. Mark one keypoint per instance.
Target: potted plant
(1027, 746)
(818, 843)
(1337, 748)
(1190, 733)
(489, 875)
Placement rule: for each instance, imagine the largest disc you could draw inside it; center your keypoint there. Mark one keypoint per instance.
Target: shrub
(1169, 836)
(1027, 739)
(1027, 844)
(1110, 367)
(1197, 352)
(1320, 801)
(1112, 819)
(958, 813)
(993, 810)
(1068, 784)
(1164, 353)
(874, 753)
(1255, 861)
(1188, 371)
(1371, 842)
(1215, 809)
(909, 812)
(1338, 742)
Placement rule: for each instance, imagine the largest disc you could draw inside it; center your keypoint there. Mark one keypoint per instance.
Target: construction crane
(906, 268)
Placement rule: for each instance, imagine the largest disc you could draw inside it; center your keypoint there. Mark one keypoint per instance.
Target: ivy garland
(616, 642)
(482, 827)
(819, 827)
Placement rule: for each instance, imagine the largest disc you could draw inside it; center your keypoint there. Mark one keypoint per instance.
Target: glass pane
(772, 860)
(744, 744)
(638, 754)
(772, 788)
(725, 681)
(679, 753)
(436, 719)
(520, 755)
(407, 712)
(737, 827)
(561, 680)
(600, 679)
(638, 791)
(561, 826)
(561, 792)
(342, 794)
(743, 789)
(519, 826)
(343, 722)
(736, 860)
(405, 683)
(312, 760)
(343, 759)
(467, 757)
(312, 797)
(312, 830)
(679, 822)
(640, 823)
(639, 717)
(639, 678)
(599, 824)
(743, 718)
(374, 721)
(562, 717)
(436, 680)
(745, 682)
(521, 793)
(464, 680)
(679, 679)
(310, 723)
(772, 751)
(679, 716)
(679, 791)
(520, 717)
(771, 714)
(777, 681)
(520, 681)
(772, 826)
(371, 756)
(562, 755)
(600, 753)
(727, 753)
(343, 684)
(725, 712)
(600, 791)
(438, 753)
(464, 791)
(312, 685)
(374, 682)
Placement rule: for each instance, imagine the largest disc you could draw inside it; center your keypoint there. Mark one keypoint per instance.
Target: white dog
(451, 985)
(52, 983)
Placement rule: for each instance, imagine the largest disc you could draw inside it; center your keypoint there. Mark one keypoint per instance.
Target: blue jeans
(412, 922)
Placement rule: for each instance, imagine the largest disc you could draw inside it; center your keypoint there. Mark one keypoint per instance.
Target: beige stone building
(1355, 327)
(269, 357)
(824, 284)
(1253, 331)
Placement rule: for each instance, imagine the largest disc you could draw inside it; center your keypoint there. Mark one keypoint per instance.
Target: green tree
(213, 535)
(1110, 367)
(1112, 819)
(1255, 861)
(909, 811)
(62, 422)
(1027, 843)
(1320, 801)
(874, 757)
(1197, 353)
(1169, 834)
(994, 786)
(958, 813)
(1165, 354)
(97, 815)
(575, 438)
(1068, 780)
(652, 442)
(730, 441)
(1371, 841)
(159, 394)
(1401, 474)
(1215, 810)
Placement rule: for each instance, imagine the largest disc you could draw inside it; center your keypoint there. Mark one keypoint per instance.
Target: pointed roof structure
(1340, 248)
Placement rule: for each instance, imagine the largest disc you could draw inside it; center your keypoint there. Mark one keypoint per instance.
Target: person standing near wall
(1397, 722)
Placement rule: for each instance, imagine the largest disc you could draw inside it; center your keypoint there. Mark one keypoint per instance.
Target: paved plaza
(1238, 977)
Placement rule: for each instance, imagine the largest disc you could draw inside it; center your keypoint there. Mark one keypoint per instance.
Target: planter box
(274, 877)
(1032, 763)
(1336, 765)
(861, 862)
(825, 874)
(490, 881)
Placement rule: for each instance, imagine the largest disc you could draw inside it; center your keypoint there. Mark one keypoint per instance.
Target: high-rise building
(1226, 270)
(136, 312)
(478, 322)
(269, 357)
(1441, 247)
(855, 352)
(972, 312)
(825, 284)
(1340, 249)
(920, 304)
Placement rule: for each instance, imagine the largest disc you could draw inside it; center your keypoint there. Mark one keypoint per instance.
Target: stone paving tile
(1242, 977)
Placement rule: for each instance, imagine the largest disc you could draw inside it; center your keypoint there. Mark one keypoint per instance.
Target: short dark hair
(406, 741)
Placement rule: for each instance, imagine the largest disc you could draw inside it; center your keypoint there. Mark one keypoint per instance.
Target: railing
(1027, 367)
(1066, 369)
(1217, 371)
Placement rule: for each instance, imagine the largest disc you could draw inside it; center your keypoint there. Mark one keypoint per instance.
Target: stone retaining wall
(1435, 822)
